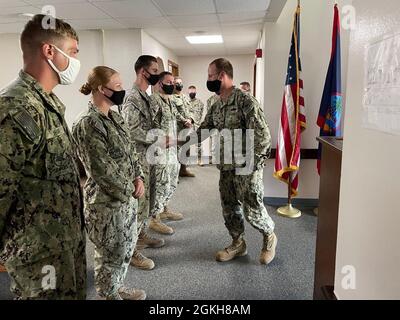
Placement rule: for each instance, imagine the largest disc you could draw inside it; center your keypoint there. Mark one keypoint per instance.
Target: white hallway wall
(118, 49)
(194, 71)
(369, 215)
(316, 39)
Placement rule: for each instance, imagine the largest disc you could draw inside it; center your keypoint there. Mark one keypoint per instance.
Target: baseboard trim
(300, 203)
(329, 293)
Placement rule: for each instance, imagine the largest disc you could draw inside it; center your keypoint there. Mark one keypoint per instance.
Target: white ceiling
(169, 21)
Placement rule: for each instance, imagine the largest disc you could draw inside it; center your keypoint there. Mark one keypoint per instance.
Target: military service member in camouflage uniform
(42, 239)
(210, 101)
(184, 121)
(136, 110)
(182, 104)
(166, 172)
(115, 179)
(240, 194)
(197, 110)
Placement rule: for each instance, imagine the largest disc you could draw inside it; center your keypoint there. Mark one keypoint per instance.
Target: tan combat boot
(269, 248)
(167, 214)
(141, 262)
(131, 294)
(184, 172)
(157, 226)
(236, 249)
(145, 241)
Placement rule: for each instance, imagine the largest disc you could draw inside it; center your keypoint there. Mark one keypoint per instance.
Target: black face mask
(117, 97)
(179, 87)
(168, 88)
(153, 79)
(192, 95)
(214, 86)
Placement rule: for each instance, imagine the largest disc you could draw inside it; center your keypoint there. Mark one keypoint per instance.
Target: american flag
(293, 117)
(330, 112)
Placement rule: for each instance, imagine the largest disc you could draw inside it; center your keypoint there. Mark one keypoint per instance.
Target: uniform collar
(112, 115)
(231, 98)
(93, 108)
(51, 99)
(142, 93)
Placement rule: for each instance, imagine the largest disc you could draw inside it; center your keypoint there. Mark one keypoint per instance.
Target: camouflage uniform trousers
(143, 213)
(67, 268)
(242, 197)
(112, 227)
(164, 181)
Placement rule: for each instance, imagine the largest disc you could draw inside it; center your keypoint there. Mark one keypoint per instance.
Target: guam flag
(330, 113)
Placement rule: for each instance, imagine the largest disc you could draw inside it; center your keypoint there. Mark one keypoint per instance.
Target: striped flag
(293, 117)
(330, 113)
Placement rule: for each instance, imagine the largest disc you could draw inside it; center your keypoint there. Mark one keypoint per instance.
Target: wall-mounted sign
(382, 85)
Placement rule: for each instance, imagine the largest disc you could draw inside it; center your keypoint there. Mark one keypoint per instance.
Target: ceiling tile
(11, 27)
(84, 24)
(10, 3)
(10, 12)
(144, 23)
(242, 38)
(14, 19)
(79, 11)
(243, 17)
(224, 6)
(194, 21)
(209, 47)
(185, 7)
(129, 8)
(210, 29)
(163, 33)
(242, 29)
(52, 2)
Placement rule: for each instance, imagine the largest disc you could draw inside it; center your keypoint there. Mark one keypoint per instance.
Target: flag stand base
(289, 211)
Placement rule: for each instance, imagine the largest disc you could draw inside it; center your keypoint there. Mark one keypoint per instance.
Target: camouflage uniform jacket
(136, 111)
(211, 100)
(197, 111)
(182, 109)
(108, 155)
(241, 111)
(41, 212)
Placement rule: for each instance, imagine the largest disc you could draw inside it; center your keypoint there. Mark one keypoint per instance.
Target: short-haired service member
(165, 173)
(241, 195)
(115, 181)
(137, 112)
(41, 214)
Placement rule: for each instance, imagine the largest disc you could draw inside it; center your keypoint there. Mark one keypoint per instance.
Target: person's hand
(139, 188)
(169, 142)
(188, 123)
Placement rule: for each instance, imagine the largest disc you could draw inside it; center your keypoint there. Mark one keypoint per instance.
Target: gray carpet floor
(186, 268)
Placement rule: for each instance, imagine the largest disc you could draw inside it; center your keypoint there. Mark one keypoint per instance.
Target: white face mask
(69, 75)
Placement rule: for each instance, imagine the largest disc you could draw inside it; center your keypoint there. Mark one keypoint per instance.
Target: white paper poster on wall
(382, 85)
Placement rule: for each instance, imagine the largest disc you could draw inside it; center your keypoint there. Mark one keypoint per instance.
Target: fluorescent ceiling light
(205, 39)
